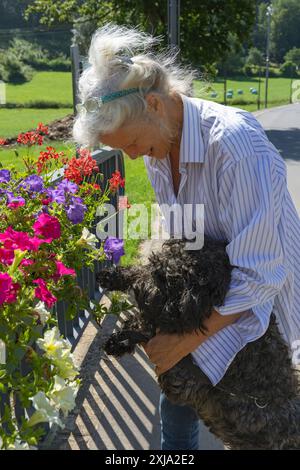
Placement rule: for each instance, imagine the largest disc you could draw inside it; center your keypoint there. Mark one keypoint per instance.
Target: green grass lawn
(278, 91)
(45, 86)
(139, 191)
(14, 121)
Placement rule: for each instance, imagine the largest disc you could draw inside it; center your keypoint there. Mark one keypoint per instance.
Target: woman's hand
(166, 350)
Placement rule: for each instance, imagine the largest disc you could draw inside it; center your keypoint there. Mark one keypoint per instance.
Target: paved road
(282, 126)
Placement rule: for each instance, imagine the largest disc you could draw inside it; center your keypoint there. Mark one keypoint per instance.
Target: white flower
(88, 239)
(43, 312)
(64, 395)
(46, 411)
(18, 445)
(65, 362)
(2, 352)
(52, 343)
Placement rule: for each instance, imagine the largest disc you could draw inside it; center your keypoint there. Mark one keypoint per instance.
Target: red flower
(116, 181)
(45, 157)
(3, 141)
(30, 138)
(41, 128)
(80, 167)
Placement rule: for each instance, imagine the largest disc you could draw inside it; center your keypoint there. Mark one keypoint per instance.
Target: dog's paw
(118, 344)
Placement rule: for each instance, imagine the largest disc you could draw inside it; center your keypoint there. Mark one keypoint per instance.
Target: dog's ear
(158, 271)
(207, 281)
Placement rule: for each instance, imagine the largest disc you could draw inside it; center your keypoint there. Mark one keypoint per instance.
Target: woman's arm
(166, 350)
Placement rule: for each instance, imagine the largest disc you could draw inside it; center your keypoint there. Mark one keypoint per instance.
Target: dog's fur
(257, 404)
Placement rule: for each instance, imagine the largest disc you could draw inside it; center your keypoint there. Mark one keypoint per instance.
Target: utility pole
(173, 23)
(269, 14)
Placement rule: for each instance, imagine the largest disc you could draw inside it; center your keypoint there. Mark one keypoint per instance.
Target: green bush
(33, 55)
(255, 57)
(288, 69)
(253, 71)
(3, 73)
(15, 70)
(36, 104)
(293, 55)
(27, 52)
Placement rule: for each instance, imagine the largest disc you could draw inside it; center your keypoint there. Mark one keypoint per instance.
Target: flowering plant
(45, 239)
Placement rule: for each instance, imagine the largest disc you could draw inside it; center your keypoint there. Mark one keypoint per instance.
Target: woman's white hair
(106, 74)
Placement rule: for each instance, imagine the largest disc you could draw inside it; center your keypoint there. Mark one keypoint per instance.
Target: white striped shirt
(228, 164)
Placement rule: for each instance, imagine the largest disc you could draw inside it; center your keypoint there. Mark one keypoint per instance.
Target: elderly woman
(199, 152)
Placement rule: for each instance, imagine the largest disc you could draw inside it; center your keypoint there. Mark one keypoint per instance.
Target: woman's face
(154, 135)
(140, 138)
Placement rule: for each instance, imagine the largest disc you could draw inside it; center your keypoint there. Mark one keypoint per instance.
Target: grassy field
(139, 191)
(14, 121)
(278, 91)
(45, 86)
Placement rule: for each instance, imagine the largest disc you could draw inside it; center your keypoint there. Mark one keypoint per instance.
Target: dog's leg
(124, 342)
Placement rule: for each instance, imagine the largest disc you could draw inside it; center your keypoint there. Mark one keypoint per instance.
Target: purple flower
(114, 249)
(75, 210)
(11, 198)
(57, 195)
(67, 186)
(4, 176)
(33, 183)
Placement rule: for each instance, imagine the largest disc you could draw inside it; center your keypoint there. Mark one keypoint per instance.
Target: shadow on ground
(117, 406)
(287, 142)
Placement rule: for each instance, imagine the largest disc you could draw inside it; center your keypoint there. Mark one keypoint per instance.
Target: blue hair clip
(92, 105)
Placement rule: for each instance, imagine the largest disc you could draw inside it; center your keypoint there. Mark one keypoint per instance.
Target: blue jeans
(180, 426)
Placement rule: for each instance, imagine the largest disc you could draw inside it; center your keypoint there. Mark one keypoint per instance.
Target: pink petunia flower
(13, 240)
(16, 204)
(41, 292)
(12, 295)
(8, 289)
(48, 227)
(62, 270)
(6, 256)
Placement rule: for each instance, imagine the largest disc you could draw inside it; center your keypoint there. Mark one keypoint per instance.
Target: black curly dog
(257, 403)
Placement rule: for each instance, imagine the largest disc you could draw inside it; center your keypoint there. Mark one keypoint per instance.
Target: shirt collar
(192, 144)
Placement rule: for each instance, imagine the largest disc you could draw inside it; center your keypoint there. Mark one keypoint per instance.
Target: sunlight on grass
(14, 121)
(44, 86)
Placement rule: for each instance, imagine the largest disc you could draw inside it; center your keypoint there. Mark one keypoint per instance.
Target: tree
(285, 32)
(293, 55)
(255, 57)
(205, 25)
